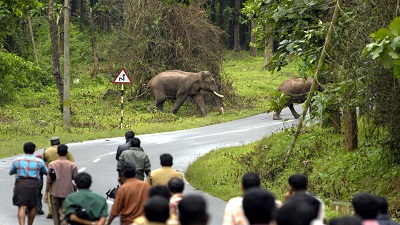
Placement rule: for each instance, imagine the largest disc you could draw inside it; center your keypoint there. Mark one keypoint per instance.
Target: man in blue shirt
(27, 169)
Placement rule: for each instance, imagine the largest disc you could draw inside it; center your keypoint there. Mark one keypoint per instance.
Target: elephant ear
(190, 85)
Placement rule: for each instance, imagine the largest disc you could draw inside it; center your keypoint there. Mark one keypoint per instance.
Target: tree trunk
(55, 53)
(236, 27)
(314, 84)
(60, 22)
(350, 129)
(93, 42)
(213, 12)
(81, 15)
(67, 101)
(253, 50)
(269, 47)
(221, 14)
(33, 40)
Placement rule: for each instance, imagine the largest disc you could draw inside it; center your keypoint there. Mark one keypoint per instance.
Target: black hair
(160, 190)
(129, 135)
(166, 159)
(29, 148)
(250, 180)
(62, 150)
(176, 185)
(128, 169)
(383, 204)
(365, 205)
(135, 142)
(156, 209)
(83, 180)
(298, 182)
(259, 206)
(346, 220)
(192, 210)
(301, 209)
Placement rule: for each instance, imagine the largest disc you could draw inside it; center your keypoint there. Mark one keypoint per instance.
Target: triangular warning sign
(122, 78)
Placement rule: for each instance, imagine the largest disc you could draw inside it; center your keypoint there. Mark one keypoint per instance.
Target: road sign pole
(122, 105)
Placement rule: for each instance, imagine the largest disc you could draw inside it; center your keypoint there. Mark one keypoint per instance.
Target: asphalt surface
(98, 158)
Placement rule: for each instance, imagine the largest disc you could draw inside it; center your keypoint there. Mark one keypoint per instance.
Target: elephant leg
(178, 103)
(200, 103)
(294, 113)
(277, 115)
(158, 104)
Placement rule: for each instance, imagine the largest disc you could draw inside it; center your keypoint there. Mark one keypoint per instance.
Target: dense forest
(94, 39)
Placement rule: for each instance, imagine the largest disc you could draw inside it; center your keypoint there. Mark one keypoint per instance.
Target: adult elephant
(179, 85)
(296, 91)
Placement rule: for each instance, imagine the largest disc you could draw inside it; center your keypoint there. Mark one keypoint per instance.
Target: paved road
(98, 157)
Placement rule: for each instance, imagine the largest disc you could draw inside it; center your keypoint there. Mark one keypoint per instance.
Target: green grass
(335, 174)
(95, 108)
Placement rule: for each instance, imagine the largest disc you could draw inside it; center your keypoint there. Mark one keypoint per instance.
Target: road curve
(98, 157)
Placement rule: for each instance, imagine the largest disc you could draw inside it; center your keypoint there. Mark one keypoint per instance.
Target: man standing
(59, 186)
(131, 196)
(259, 206)
(136, 156)
(192, 210)
(49, 155)
(162, 175)
(299, 185)
(128, 137)
(234, 214)
(27, 169)
(93, 204)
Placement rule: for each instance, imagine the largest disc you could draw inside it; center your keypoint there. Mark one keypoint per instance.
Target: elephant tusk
(219, 95)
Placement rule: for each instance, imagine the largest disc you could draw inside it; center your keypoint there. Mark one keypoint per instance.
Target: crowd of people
(147, 197)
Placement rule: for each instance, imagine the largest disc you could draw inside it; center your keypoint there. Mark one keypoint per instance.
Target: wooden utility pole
(317, 72)
(66, 99)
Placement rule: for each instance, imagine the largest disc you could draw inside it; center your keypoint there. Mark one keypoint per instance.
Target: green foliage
(298, 26)
(17, 74)
(386, 47)
(334, 173)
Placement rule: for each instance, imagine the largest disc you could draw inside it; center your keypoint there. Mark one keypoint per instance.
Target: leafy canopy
(386, 46)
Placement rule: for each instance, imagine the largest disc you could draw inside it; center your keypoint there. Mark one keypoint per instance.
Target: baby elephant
(297, 89)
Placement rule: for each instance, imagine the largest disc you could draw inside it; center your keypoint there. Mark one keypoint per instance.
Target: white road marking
(96, 160)
(82, 169)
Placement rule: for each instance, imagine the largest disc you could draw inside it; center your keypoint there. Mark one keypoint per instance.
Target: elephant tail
(143, 93)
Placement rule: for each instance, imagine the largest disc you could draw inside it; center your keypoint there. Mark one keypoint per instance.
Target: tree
(55, 53)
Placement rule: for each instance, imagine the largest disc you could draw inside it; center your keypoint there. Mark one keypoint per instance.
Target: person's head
(176, 185)
(129, 135)
(160, 190)
(156, 209)
(192, 210)
(383, 205)
(166, 159)
(29, 148)
(128, 169)
(62, 150)
(258, 205)
(365, 205)
(298, 182)
(250, 180)
(55, 141)
(346, 220)
(135, 142)
(301, 209)
(83, 180)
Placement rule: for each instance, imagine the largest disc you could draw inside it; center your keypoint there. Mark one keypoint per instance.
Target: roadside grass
(96, 108)
(335, 174)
